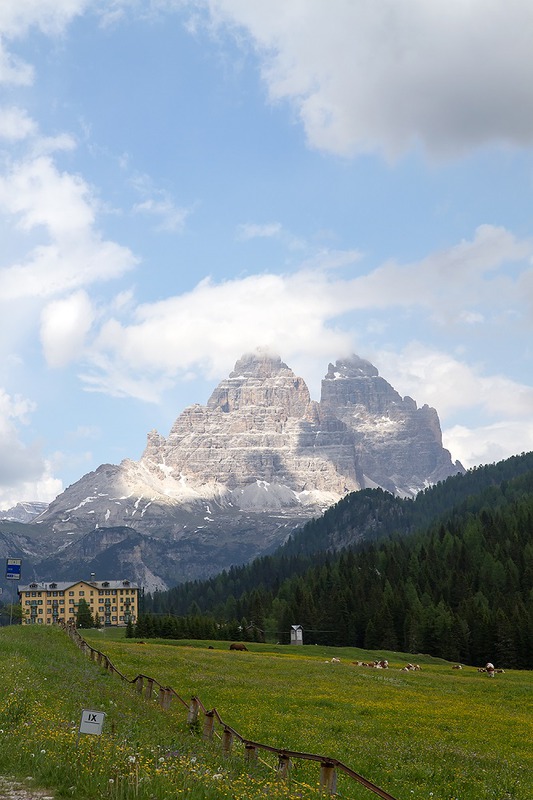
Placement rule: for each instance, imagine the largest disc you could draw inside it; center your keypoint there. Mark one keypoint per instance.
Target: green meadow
(436, 733)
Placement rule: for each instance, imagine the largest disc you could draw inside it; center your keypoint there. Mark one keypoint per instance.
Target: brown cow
(238, 646)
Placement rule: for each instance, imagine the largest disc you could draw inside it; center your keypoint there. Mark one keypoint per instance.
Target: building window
(71, 594)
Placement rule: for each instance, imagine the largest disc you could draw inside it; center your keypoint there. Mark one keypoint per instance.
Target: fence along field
(146, 685)
(433, 734)
(437, 733)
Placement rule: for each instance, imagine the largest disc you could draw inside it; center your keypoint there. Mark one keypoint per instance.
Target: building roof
(62, 586)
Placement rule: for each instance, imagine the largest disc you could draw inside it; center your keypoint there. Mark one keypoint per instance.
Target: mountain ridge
(235, 476)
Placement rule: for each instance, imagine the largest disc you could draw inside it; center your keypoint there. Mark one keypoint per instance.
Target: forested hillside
(448, 574)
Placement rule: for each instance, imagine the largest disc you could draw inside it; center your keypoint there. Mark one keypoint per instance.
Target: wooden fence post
(284, 764)
(209, 725)
(227, 741)
(250, 753)
(328, 777)
(164, 698)
(192, 716)
(139, 683)
(149, 688)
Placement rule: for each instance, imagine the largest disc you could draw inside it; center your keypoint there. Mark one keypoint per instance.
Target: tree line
(449, 574)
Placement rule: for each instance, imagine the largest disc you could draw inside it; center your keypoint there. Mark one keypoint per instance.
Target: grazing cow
(490, 670)
(411, 668)
(238, 646)
(335, 661)
(457, 666)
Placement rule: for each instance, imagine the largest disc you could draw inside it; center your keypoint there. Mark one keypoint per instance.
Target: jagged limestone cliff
(235, 476)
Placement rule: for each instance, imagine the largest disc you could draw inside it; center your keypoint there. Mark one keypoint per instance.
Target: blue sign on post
(13, 566)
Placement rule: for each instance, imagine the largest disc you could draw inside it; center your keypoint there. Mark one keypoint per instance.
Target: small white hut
(297, 634)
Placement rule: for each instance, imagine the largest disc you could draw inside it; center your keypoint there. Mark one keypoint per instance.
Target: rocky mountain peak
(261, 380)
(351, 367)
(236, 475)
(399, 446)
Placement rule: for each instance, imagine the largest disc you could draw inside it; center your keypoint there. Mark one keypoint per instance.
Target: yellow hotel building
(110, 602)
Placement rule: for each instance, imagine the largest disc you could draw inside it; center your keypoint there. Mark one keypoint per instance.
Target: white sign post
(91, 722)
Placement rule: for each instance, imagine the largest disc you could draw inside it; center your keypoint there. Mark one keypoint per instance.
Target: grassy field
(439, 733)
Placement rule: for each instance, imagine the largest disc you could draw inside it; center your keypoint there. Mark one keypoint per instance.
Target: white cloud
(50, 16)
(489, 443)
(17, 17)
(385, 76)
(209, 327)
(300, 314)
(37, 194)
(172, 217)
(14, 71)
(454, 283)
(24, 473)
(436, 378)
(501, 407)
(65, 324)
(60, 208)
(250, 230)
(15, 124)
(157, 202)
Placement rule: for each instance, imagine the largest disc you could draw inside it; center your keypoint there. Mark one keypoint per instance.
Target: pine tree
(84, 618)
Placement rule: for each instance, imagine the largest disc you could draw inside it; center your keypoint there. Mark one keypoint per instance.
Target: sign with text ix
(92, 721)
(13, 566)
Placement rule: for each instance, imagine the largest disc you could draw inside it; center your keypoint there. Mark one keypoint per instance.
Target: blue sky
(184, 181)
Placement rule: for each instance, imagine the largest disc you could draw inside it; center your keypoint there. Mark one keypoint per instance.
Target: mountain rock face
(398, 445)
(235, 476)
(24, 512)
